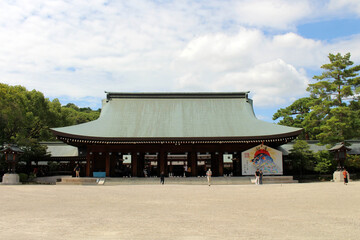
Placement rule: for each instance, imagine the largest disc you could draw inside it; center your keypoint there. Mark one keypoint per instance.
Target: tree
(338, 83)
(324, 162)
(33, 151)
(302, 157)
(27, 116)
(295, 115)
(352, 163)
(331, 112)
(336, 89)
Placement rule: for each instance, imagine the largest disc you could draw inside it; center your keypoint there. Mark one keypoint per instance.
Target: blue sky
(76, 50)
(329, 30)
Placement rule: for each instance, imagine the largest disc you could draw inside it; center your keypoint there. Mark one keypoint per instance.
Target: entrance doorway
(177, 165)
(150, 165)
(99, 162)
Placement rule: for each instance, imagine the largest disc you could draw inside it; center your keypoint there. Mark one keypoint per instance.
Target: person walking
(345, 173)
(257, 177)
(261, 177)
(208, 176)
(77, 170)
(162, 178)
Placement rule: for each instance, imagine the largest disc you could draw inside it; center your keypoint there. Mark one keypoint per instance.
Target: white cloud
(278, 14)
(345, 45)
(271, 83)
(272, 68)
(344, 7)
(78, 49)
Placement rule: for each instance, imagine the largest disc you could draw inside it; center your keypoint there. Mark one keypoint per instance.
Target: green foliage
(324, 162)
(3, 164)
(352, 163)
(23, 177)
(302, 157)
(338, 82)
(27, 116)
(53, 166)
(296, 115)
(33, 151)
(332, 111)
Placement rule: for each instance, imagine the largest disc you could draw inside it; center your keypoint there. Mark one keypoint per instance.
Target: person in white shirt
(208, 175)
(257, 177)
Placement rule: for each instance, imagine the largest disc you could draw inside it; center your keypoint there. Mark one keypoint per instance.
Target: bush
(324, 162)
(53, 166)
(23, 177)
(302, 157)
(352, 163)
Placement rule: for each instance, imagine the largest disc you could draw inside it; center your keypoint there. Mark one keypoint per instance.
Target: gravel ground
(288, 211)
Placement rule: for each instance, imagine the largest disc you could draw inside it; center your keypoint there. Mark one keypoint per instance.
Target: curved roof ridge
(167, 95)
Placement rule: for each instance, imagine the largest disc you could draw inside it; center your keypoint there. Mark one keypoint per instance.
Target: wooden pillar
(240, 166)
(215, 164)
(88, 162)
(237, 164)
(221, 164)
(73, 164)
(134, 164)
(107, 164)
(113, 166)
(162, 163)
(192, 158)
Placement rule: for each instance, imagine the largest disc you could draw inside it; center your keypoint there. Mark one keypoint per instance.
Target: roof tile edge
(167, 95)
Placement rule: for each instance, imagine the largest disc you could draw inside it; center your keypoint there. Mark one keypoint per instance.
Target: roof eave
(289, 135)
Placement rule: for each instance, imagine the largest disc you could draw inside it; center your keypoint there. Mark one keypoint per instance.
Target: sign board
(262, 157)
(228, 158)
(127, 158)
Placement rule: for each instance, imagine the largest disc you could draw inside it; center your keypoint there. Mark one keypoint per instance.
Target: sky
(77, 50)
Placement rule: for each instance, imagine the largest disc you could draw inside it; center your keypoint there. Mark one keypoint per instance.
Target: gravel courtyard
(289, 211)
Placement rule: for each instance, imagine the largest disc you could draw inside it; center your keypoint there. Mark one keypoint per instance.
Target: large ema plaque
(264, 158)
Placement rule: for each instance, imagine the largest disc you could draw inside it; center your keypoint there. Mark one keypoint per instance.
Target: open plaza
(325, 210)
(180, 120)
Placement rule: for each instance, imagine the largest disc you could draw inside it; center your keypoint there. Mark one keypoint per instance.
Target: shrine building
(144, 134)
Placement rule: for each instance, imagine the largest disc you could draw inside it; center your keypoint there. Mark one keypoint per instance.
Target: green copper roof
(176, 115)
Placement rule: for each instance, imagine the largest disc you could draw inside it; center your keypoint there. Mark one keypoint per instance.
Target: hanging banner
(264, 158)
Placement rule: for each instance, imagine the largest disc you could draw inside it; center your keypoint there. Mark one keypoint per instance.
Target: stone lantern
(340, 157)
(11, 153)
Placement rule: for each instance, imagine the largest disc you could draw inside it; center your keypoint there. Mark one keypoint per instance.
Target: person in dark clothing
(345, 173)
(77, 170)
(261, 177)
(162, 178)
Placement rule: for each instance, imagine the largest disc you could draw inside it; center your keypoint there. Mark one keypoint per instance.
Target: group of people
(208, 176)
(258, 175)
